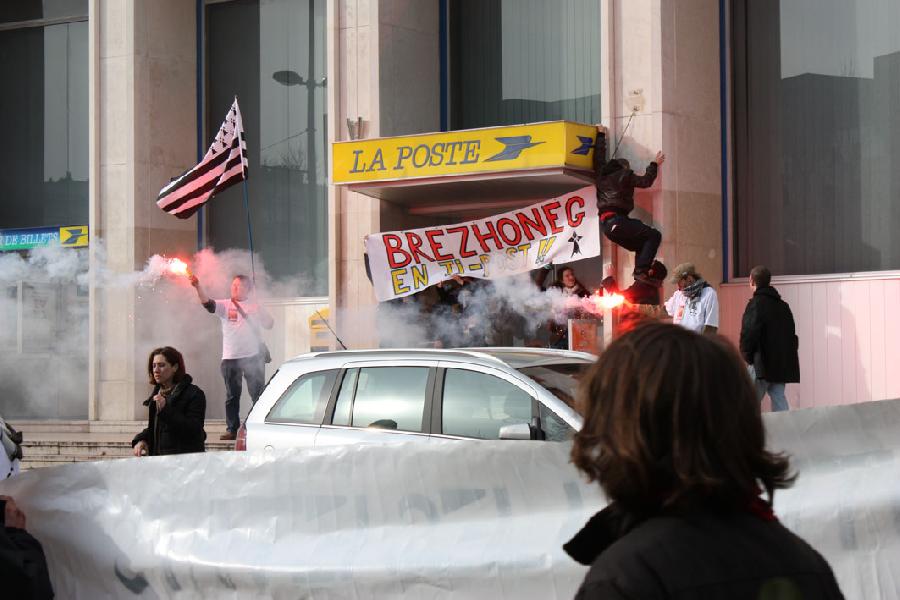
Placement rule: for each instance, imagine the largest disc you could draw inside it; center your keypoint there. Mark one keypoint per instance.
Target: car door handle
(269, 448)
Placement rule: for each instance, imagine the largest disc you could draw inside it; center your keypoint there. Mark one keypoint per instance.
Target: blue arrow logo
(73, 236)
(514, 146)
(586, 144)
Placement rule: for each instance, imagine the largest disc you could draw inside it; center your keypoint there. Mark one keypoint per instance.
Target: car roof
(514, 357)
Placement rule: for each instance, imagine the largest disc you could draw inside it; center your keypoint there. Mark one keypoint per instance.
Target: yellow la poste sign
(493, 149)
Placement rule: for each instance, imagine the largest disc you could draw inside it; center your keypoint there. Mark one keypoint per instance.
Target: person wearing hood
(694, 305)
(615, 183)
(769, 341)
(177, 408)
(674, 436)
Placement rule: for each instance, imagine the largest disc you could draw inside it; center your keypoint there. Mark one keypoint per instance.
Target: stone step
(47, 443)
(48, 456)
(97, 448)
(78, 426)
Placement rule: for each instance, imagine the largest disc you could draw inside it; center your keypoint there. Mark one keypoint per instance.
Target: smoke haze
(44, 316)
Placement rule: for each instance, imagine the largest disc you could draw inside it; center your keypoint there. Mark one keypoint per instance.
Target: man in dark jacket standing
(769, 341)
(615, 200)
(23, 567)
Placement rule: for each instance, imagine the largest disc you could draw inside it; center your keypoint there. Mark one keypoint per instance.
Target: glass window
(560, 379)
(36, 10)
(44, 180)
(555, 428)
(816, 135)
(305, 400)
(477, 405)
(272, 55)
(523, 61)
(386, 398)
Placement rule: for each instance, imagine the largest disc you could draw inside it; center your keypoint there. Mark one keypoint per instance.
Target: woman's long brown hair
(672, 421)
(173, 357)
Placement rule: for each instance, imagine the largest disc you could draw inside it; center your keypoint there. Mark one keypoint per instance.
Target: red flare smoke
(607, 301)
(179, 267)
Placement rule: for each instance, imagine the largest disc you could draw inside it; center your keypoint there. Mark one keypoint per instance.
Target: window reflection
(477, 405)
(305, 400)
(816, 135)
(272, 55)
(44, 181)
(390, 398)
(522, 61)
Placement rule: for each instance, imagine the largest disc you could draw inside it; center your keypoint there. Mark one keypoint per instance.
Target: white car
(382, 396)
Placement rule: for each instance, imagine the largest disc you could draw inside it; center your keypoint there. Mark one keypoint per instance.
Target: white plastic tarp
(435, 520)
(846, 502)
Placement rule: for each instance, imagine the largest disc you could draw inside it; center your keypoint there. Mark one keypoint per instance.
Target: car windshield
(561, 379)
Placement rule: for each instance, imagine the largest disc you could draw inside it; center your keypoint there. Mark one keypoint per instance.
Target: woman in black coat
(177, 408)
(674, 436)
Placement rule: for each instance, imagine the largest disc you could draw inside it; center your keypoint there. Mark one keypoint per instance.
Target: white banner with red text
(554, 231)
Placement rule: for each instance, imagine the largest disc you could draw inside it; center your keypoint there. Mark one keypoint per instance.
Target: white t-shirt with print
(697, 313)
(238, 338)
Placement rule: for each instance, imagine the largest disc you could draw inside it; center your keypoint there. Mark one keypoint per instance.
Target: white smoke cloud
(44, 317)
(507, 311)
(43, 327)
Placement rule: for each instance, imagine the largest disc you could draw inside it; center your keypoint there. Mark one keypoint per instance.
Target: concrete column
(386, 70)
(665, 70)
(691, 203)
(354, 71)
(144, 131)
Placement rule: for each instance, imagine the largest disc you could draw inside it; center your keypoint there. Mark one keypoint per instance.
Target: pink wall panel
(876, 342)
(849, 334)
(857, 339)
(833, 374)
(892, 338)
(793, 295)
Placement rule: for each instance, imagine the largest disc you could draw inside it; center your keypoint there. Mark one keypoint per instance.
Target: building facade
(777, 119)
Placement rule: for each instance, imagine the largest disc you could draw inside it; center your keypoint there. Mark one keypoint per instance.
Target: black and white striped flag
(224, 164)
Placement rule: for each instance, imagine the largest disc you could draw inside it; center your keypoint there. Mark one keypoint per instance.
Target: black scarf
(693, 291)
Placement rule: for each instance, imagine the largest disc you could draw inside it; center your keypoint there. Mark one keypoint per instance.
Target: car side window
(477, 405)
(555, 428)
(305, 400)
(383, 398)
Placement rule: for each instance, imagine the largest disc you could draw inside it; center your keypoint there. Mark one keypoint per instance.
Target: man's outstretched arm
(649, 176)
(208, 304)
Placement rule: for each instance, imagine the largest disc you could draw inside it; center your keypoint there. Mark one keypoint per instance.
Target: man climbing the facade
(615, 200)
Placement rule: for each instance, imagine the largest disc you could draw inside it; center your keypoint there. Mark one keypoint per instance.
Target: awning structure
(475, 171)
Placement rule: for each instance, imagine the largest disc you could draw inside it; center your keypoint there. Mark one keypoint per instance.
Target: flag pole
(249, 233)
(240, 133)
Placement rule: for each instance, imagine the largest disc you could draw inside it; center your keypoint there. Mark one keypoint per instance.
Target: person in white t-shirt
(694, 305)
(242, 354)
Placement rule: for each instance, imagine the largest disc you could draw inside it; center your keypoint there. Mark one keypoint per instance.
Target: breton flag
(225, 163)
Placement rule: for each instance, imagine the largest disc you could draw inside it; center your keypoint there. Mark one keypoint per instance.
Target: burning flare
(608, 301)
(179, 267)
